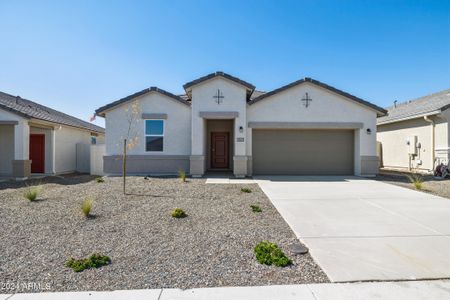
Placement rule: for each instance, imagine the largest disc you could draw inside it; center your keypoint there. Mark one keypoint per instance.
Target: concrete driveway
(360, 229)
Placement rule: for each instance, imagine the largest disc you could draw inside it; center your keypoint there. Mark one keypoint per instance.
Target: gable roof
(429, 104)
(381, 111)
(29, 109)
(256, 93)
(190, 84)
(101, 111)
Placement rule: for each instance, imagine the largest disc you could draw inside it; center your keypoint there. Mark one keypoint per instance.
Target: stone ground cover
(430, 184)
(212, 246)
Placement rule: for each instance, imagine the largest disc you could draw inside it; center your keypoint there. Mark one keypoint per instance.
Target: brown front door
(219, 150)
(37, 153)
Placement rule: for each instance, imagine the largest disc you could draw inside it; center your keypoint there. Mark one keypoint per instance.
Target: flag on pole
(92, 118)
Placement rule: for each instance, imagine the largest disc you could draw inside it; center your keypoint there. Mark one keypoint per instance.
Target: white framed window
(154, 135)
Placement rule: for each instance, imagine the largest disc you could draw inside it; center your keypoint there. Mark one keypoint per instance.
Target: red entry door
(37, 153)
(219, 150)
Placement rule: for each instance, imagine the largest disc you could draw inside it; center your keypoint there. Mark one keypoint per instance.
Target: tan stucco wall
(100, 139)
(60, 157)
(177, 126)
(186, 128)
(65, 147)
(326, 106)
(202, 100)
(393, 137)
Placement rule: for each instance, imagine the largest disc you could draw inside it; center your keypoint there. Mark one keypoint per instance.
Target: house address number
(240, 140)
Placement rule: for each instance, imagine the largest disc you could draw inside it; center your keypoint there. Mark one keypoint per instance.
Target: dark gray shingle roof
(417, 107)
(256, 94)
(252, 94)
(249, 86)
(100, 111)
(30, 109)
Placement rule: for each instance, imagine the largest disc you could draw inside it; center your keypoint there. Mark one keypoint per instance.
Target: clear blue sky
(76, 56)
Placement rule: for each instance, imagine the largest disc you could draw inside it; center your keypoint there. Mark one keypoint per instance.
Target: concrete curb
(411, 290)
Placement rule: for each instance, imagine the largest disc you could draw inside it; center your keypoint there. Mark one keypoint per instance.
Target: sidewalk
(410, 290)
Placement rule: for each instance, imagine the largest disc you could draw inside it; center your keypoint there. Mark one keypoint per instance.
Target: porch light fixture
(241, 129)
(369, 131)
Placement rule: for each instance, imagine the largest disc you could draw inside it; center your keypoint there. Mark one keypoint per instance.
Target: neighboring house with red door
(223, 123)
(37, 139)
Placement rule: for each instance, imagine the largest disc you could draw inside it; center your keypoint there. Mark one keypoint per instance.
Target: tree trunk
(124, 165)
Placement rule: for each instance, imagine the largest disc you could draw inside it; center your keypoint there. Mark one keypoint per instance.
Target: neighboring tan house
(415, 135)
(222, 123)
(37, 139)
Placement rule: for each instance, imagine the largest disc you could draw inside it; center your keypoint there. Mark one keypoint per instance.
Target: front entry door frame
(37, 150)
(220, 150)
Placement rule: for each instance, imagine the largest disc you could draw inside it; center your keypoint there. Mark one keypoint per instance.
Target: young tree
(130, 139)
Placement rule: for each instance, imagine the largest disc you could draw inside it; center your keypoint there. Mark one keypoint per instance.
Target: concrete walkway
(228, 180)
(360, 229)
(413, 290)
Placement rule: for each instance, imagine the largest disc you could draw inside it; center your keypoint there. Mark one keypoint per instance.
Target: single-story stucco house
(415, 134)
(223, 123)
(37, 139)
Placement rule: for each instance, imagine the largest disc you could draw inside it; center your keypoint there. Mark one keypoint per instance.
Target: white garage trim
(306, 125)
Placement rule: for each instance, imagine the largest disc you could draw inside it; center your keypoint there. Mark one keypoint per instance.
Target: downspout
(432, 140)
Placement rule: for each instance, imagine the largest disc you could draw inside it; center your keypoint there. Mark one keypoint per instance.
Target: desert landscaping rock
(148, 248)
(298, 249)
(438, 187)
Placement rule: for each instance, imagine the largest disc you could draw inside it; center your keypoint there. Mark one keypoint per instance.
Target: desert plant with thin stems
(416, 180)
(86, 206)
(182, 175)
(130, 139)
(32, 192)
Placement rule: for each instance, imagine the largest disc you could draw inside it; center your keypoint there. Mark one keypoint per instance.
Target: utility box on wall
(411, 142)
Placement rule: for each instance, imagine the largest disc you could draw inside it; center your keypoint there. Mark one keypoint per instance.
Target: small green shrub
(32, 192)
(270, 254)
(256, 208)
(96, 260)
(86, 206)
(416, 180)
(182, 175)
(178, 213)
(99, 179)
(246, 190)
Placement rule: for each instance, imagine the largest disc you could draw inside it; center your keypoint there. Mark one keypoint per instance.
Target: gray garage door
(303, 152)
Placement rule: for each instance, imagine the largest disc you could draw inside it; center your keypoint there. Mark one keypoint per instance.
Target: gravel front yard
(213, 246)
(430, 185)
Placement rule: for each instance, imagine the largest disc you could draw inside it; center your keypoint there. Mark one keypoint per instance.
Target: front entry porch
(218, 144)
